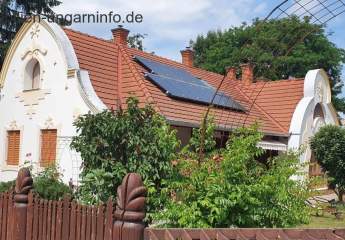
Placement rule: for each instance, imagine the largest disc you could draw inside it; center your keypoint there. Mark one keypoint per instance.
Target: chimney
(231, 73)
(120, 35)
(188, 57)
(247, 73)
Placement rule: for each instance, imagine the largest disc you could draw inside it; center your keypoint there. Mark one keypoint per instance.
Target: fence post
(130, 209)
(22, 189)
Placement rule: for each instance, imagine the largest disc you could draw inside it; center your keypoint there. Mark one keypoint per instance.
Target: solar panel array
(180, 84)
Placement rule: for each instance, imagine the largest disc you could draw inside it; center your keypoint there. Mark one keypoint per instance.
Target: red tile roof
(115, 76)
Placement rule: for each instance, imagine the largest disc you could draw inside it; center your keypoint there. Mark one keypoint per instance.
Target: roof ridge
(138, 77)
(261, 109)
(88, 35)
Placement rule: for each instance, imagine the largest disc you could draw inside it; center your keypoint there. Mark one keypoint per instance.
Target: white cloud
(170, 24)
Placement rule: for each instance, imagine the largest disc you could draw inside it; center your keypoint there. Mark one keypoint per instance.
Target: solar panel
(169, 71)
(192, 92)
(178, 83)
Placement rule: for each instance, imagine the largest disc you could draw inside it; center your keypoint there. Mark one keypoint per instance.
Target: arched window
(32, 76)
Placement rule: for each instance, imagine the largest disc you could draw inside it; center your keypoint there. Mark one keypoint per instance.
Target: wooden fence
(26, 217)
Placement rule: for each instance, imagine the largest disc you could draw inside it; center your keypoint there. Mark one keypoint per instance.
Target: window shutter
(13, 148)
(48, 147)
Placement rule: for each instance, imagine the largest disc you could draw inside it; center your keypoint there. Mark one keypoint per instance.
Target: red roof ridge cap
(87, 35)
(137, 76)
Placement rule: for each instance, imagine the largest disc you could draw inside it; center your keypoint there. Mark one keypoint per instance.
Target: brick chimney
(247, 73)
(231, 73)
(188, 57)
(120, 35)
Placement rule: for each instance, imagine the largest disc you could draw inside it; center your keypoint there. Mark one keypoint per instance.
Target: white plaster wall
(61, 103)
(303, 126)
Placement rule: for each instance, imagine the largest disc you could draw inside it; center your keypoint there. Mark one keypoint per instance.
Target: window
(13, 147)
(48, 147)
(32, 75)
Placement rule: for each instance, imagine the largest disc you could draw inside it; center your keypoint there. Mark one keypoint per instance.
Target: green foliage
(13, 13)
(274, 47)
(112, 144)
(329, 148)
(195, 141)
(48, 184)
(136, 41)
(6, 186)
(233, 189)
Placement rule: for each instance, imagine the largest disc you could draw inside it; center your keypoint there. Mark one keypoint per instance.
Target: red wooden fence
(26, 217)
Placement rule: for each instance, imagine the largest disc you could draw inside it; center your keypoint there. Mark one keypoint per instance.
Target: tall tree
(13, 13)
(279, 49)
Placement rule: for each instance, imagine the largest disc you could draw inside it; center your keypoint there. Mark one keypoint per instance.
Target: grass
(326, 221)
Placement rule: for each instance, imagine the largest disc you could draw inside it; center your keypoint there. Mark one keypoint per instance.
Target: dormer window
(32, 75)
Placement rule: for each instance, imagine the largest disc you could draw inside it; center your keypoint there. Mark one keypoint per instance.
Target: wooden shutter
(48, 147)
(13, 147)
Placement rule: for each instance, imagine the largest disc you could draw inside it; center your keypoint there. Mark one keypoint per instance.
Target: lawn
(326, 221)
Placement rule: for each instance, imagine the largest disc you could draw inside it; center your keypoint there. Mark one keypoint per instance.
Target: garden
(198, 186)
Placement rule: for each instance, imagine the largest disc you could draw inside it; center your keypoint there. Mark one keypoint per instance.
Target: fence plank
(1, 209)
(88, 223)
(78, 222)
(83, 222)
(35, 219)
(4, 224)
(40, 220)
(9, 216)
(49, 220)
(100, 223)
(93, 223)
(72, 235)
(53, 231)
(59, 221)
(109, 221)
(65, 218)
(30, 215)
(45, 215)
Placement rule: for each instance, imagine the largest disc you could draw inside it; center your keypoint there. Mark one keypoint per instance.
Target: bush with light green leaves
(233, 189)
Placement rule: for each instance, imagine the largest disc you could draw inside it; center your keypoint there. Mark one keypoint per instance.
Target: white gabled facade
(64, 93)
(312, 112)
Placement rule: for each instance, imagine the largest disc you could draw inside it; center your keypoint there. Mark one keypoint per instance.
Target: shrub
(329, 148)
(6, 186)
(113, 143)
(233, 189)
(48, 184)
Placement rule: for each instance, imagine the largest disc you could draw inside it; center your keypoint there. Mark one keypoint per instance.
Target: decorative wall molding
(30, 99)
(34, 51)
(13, 125)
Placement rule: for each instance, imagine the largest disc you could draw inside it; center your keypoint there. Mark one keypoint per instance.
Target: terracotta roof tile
(115, 76)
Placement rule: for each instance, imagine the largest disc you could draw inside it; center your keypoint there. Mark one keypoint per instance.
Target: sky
(171, 24)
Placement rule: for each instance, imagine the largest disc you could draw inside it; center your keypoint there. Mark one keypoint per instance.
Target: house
(52, 75)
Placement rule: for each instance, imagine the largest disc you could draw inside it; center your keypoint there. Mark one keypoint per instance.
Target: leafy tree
(136, 41)
(276, 50)
(113, 143)
(234, 190)
(329, 148)
(13, 13)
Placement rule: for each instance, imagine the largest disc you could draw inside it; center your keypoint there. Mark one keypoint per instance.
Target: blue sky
(170, 24)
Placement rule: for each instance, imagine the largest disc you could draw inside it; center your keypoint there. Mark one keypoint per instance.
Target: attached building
(52, 75)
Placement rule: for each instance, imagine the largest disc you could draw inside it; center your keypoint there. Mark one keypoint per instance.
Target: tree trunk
(340, 195)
